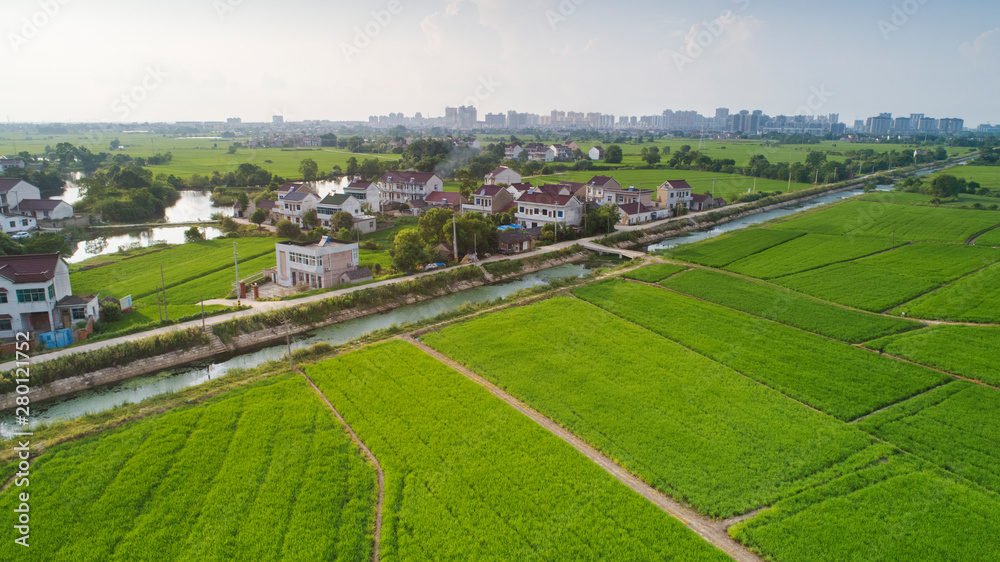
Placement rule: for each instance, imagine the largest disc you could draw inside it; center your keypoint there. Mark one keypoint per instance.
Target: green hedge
(103, 358)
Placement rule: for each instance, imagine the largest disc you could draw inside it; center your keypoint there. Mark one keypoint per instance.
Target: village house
(445, 200)
(406, 187)
(705, 202)
(11, 163)
(512, 151)
(502, 175)
(596, 153)
(295, 205)
(562, 152)
(36, 296)
(673, 193)
(319, 265)
(359, 275)
(13, 224)
(45, 209)
(366, 193)
(597, 185)
(18, 197)
(514, 240)
(489, 200)
(268, 205)
(536, 209)
(291, 187)
(540, 152)
(336, 203)
(637, 213)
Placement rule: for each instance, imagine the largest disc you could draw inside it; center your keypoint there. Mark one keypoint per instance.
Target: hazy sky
(74, 60)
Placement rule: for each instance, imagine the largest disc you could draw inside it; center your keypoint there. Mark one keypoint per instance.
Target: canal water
(139, 388)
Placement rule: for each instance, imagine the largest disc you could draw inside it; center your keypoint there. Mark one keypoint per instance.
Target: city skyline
(200, 59)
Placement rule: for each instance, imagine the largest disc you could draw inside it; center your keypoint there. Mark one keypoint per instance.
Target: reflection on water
(195, 206)
(139, 388)
(111, 244)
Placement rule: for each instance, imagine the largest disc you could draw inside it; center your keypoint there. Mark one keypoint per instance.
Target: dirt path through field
(710, 530)
(368, 455)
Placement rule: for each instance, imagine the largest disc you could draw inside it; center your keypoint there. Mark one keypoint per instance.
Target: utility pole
(454, 234)
(164, 285)
(236, 260)
(789, 180)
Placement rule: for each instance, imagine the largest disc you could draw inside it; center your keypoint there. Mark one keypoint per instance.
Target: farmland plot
(898, 509)
(918, 224)
(261, 473)
(786, 307)
(696, 430)
(808, 252)
(654, 273)
(955, 426)
(969, 351)
(991, 238)
(836, 378)
(881, 282)
(724, 250)
(470, 478)
(975, 298)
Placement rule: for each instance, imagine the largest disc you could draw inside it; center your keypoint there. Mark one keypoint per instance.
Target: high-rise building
(879, 125)
(277, 120)
(451, 117)
(901, 125)
(497, 120)
(952, 126)
(467, 117)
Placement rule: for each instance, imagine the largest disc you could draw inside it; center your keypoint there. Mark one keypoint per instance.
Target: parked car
(21, 235)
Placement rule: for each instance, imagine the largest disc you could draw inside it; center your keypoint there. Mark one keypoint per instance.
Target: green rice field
(467, 477)
(655, 273)
(975, 298)
(728, 248)
(969, 351)
(807, 252)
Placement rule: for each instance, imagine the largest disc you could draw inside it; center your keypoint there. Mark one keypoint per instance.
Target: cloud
(984, 48)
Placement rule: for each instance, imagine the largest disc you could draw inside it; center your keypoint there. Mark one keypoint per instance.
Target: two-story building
(45, 209)
(366, 193)
(512, 151)
(294, 206)
(445, 200)
(11, 163)
(540, 153)
(637, 213)
(406, 187)
(13, 191)
(502, 175)
(12, 224)
(596, 153)
(488, 200)
(597, 185)
(536, 209)
(673, 193)
(319, 265)
(36, 296)
(336, 203)
(562, 152)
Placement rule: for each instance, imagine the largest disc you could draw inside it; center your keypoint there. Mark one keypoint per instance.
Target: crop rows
(969, 351)
(140, 276)
(975, 298)
(955, 426)
(694, 429)
(836, 378)
(724, 250)
(655, 273)
(468, 477)
(786, 307)
(262, 473)
(991, 238)
(896, 509)
(808, 252)
(878, 283)
(904, 222)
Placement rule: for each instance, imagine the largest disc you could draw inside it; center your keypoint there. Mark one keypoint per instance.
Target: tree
(287, 229)
(341, 220)
(229, 225)
(193, 235)
(310, 220)
(352, 166)
(259, 216)
(408, 250)
(232, 149)
(947, 186)
(244, 200)
(309, 169)
(432, 226)
(815, 159)
(651, 155)
(613, 155)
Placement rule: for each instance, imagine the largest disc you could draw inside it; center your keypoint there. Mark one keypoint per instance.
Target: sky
(193, 60)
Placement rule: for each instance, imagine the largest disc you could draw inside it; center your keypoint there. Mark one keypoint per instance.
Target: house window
(31, 295)
(3, 298)
(560, 214)
(5, 325)
(24, 222)
(52, 291)
(521, 210)
(13, 224)
(79, 314)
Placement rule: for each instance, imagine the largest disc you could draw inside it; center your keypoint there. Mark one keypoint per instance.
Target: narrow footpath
(714, 532)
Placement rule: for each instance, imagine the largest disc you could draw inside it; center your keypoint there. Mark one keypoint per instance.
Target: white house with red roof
(596, 153)
(503, 174)
(446, 200)
(489, 200)
(536, 209)
(637, 213)
(406, 187)
(562, 152)
(36, 296)
(366, 193)
(295, 205)
(45, 209)
(675, 192)
(13, 191)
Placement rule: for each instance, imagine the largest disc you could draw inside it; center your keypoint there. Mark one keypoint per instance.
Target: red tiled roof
(499, 171)
(38, 204)
(631, 208)
(545, 199)
(574, 186)
(360, 185)
(407, 177)
(698, 198)
(676, 184)
(489, 190)
(6, 184)
(601, 181)
(29, 269)
(266, 204)
(523, 186)
(443, 197)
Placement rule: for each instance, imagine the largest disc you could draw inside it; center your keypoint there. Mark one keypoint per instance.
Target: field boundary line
(369, 456)
(972, 239)
(880, 252)
(894, 404)
(10, 481)
(712, 531)
(939, 287)
(912, 362)
(778, 245)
